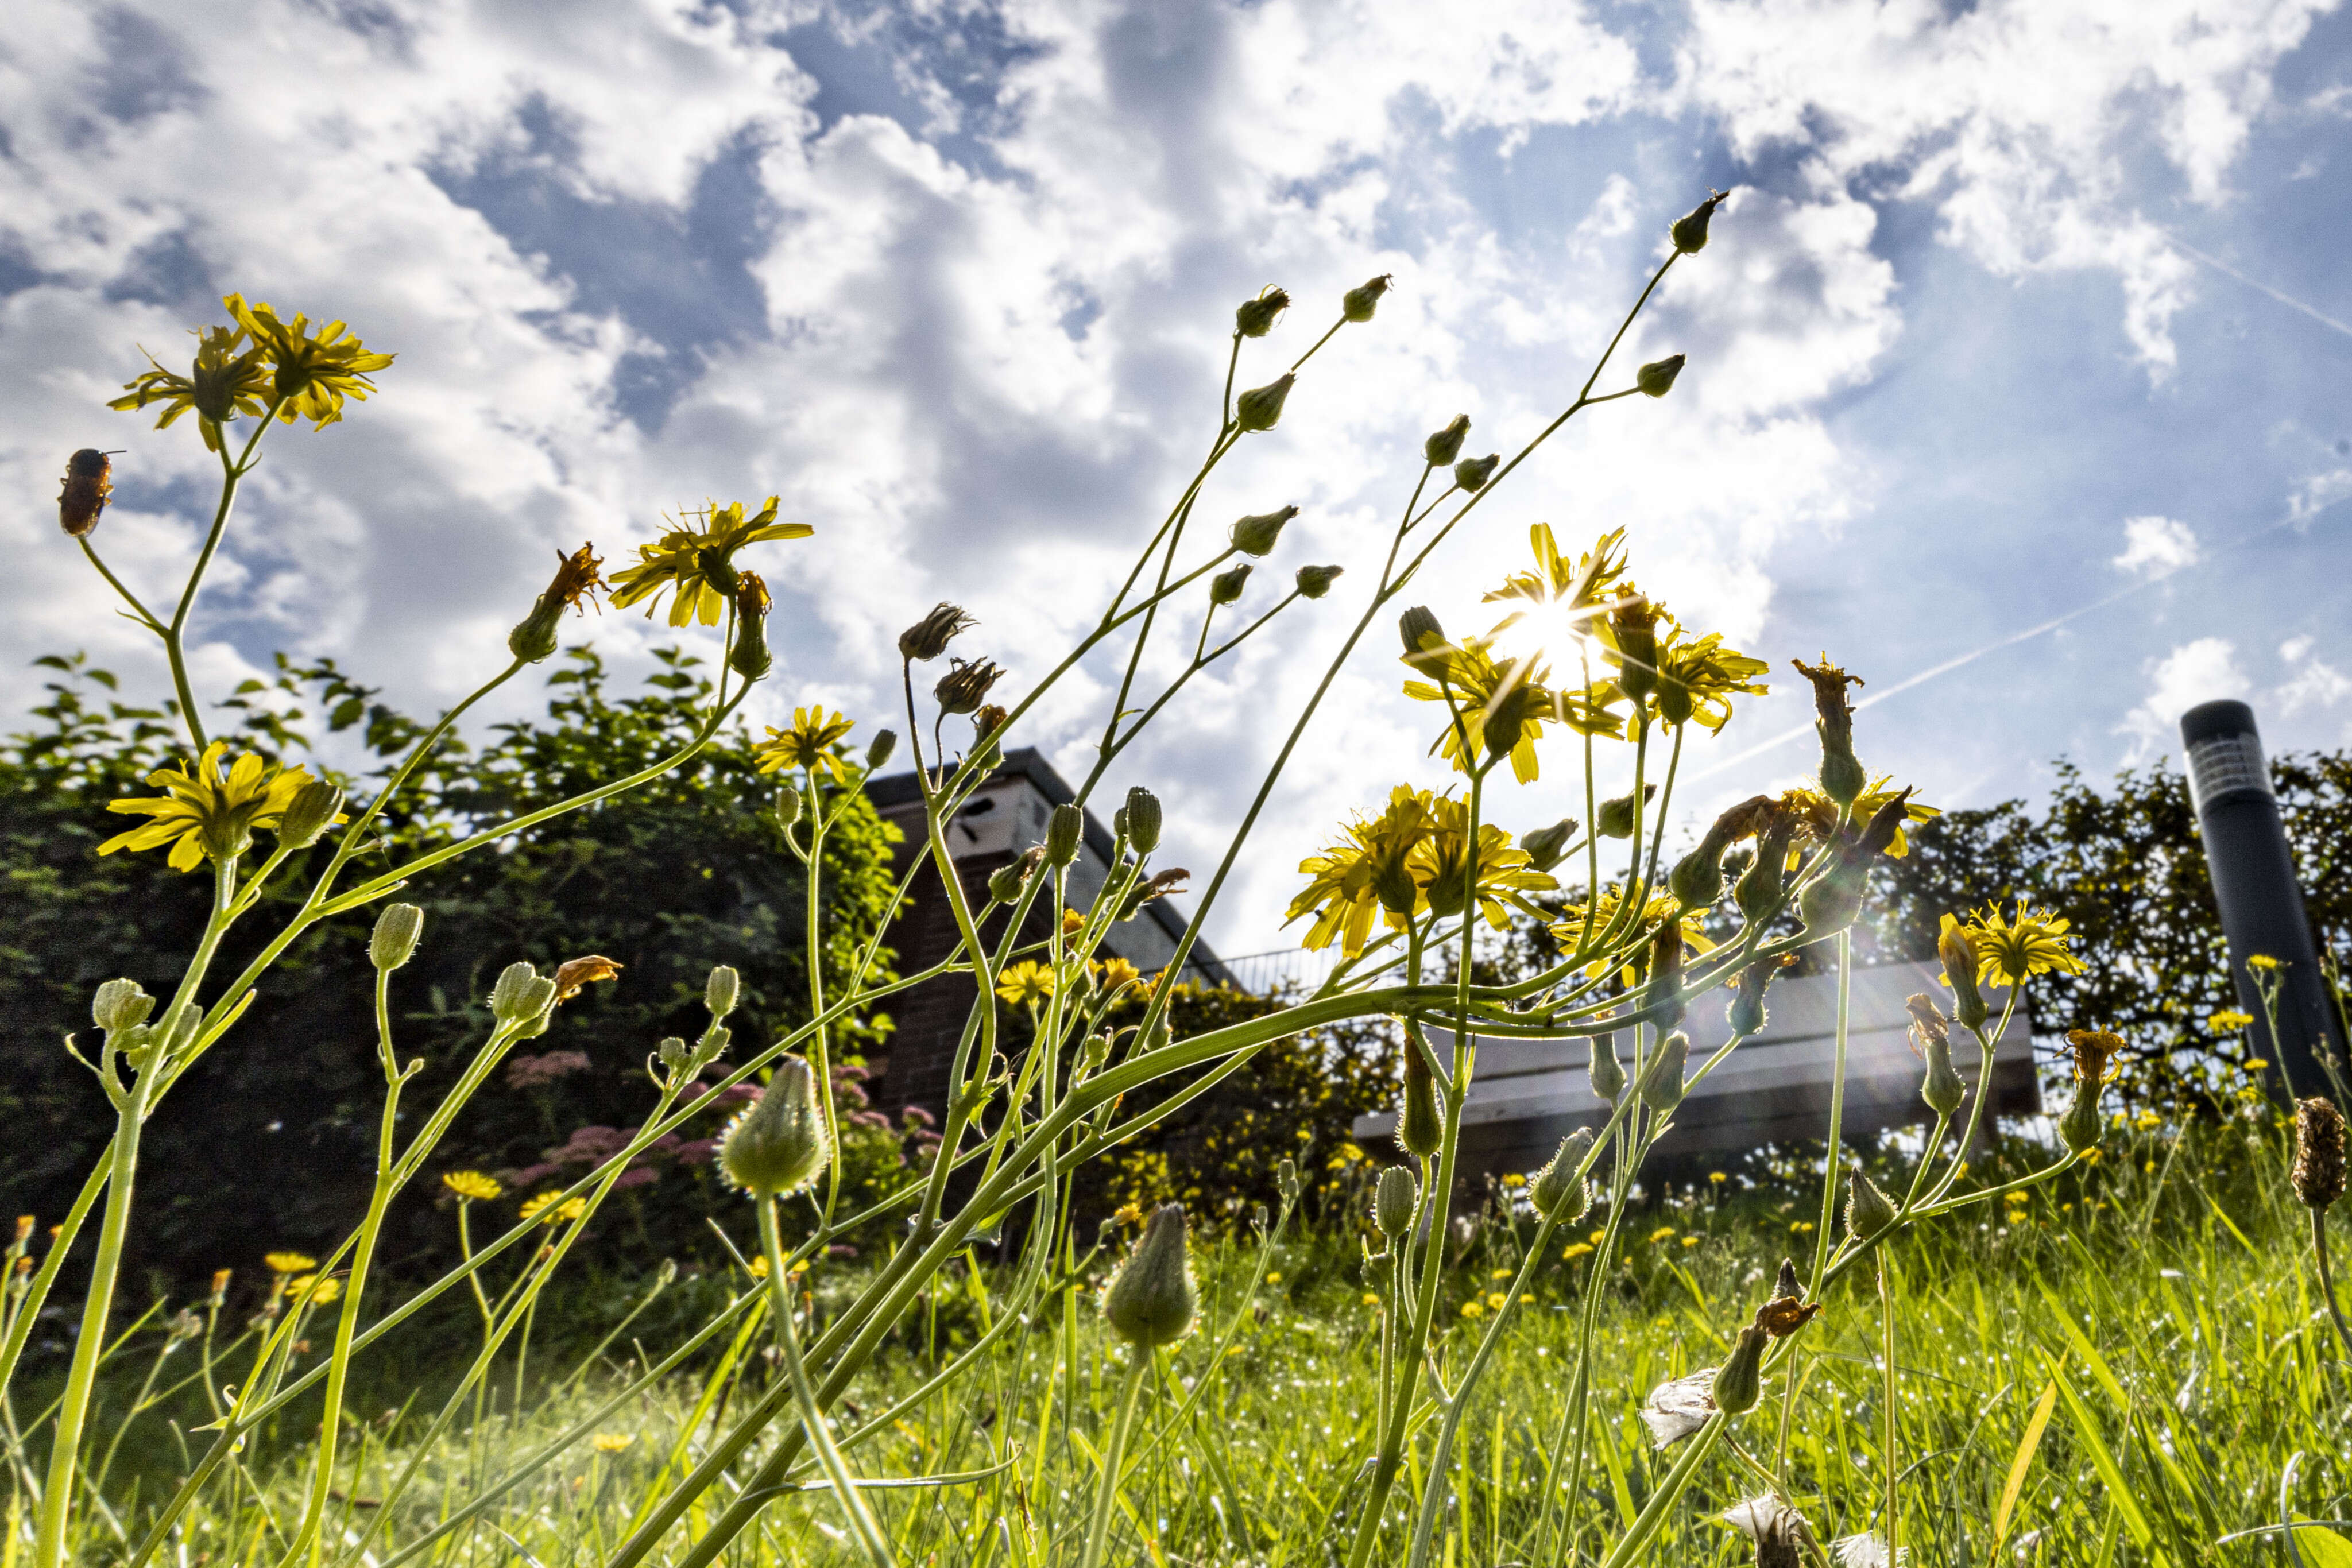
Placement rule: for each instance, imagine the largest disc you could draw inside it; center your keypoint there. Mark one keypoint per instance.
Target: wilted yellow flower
(808, 744)
(574, 975)
(206, 812)
(611, 1442)
(2229, 1021)
(224, 383)
(1817, 815)
(698, 563)
(2032, 942)
(312, 373)
(1027, 981)
(289, 1263)
(471, 1187)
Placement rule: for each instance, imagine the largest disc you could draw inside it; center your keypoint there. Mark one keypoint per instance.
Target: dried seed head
(1256, 534)
(1547, 847)
(1359, 303)
(1260, 408)
(930, 637)
(1139, 820)
(1315, 581)
(1558, 1191)
(1677, 1409)
(721, 991)
(1841, 774)
(395, 938)
(1690, 230)
(878, 749)
(1443, 447)
(1779, 1532)
(1149, 1303)
(966, 684)
(1256, 316)
(1658, 378)
(1739, 1383)
(1607, 1073)
(1868, 1210)
(1063, 831)
(1005, 882)
(2318, 1153)
(1419, 1129)
(780, 1143)
(575, 975)
(1661, 1078)
(1225, 587)
(1472, 473)
(120, 1005)
(1785, 1313)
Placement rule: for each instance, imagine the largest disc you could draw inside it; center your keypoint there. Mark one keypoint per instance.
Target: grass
(2133, 1358)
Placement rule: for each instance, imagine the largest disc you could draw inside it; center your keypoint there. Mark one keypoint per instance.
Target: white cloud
(2190, 673)
(2158, 546)
(2314, 683)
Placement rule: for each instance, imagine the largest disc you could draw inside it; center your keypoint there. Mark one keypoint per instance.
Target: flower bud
(1256, 534)
(1472, 473)
(1256, 316)
(1558, 1190)
(1315, 581)
(673, 1052)
(316, 806)
(2318, 1173)
(119, 1006)
(1226, 586)
(1139, 820)
(966, 684)
(1662, 1076)
(1286, 1181)
(1745, 1013)
(1419, 1128)
(930, 637)
(1690, 231)
(1658, 376)
(2080, 1126)
(1005, 882)
(521, 995)
(1547, 847)
(711, 1046)
(1868, 1210)
(1607, 1073)
(1833, 901)
(1739, 1383)
(721, 991)
(1260, 408)
(1358, 304)
(1957, 950)
(749, 657)
(1617, 815)
(1634, 625)
(1394, 1198)
(533, 638)
(1441, 449)
(1063, 831)
(1758, 890)
(878, 749)
(779, 1143)
(788, 804)
(992, 718)
(394, 940)
(1696, 879)
(1150, 1302)
(1419, 628)
(1944, 1089)
(1661, 999)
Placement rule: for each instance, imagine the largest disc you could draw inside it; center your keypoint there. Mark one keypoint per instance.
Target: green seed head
(1868, 1210)
(2080, 1126)
(1419, 1129)
(1472, 473)
(1558, 1192)
(1256, 534)
(779, 1143)
(1394, 1197)
(1256, 316)
(1260, 408)
(1443, 447)
(1358, 304)
(1739, 1383)
(1315, 581)
(395, 938)
(1662, 1079)
(1149, 1303)
(121, 1005)
(1142, 818)
(1225, 587)
(1690, 231)
(1616, 816)
(1546, 847)
(878, 749)
(1063, 831)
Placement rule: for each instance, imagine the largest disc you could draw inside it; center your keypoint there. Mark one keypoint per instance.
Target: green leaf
(2023, 1463)
(2322, 1548)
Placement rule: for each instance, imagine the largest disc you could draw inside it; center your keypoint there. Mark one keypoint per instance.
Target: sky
(2015, 382)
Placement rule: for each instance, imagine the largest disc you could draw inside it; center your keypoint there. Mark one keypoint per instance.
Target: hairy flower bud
(1256, 534)
(316, 807)
(1286, 1183)
(1063, 831)
(749, 657)
(1419, 1128)
(1139, 820)
(1656, 377)
(1359, 303)
(721, 990)
(1441, 449)
(1943, 1088)
(1633, 624)
(2080, 1127)
(2318, 1173)
(1394, 1198)
(1833, 901)
(1472, 473)
(1607, 1073)
(1256, 316)
(1690, 231)
(1227, 585)
(1260, 408)
(1696, 880)
(1558, 1191)
(394, 940)
(1868, 1210)
(1758, 890)
(780, 1143)
(1617, 815)
(1662, 1076)
(1005, 882)
(1419, 628)
(789, 801)
(1547, 847)
(672, 1051)
(1957, 950)
(1315, 581)
(521, 994)
(1745, 1014)
(120, 1005)
(966, 684)
(878, 749)
(1661, 999)
(930, 637)
(1150, 1302)
(1739, 1383)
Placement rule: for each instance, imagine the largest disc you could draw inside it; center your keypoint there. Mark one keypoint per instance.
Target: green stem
(1645, 1524)
(2326, 1283)
(1831, 1170)
(174, 634)
(836, 1469)
(1138, 1357)
(28, 1308)
(1893, 1467)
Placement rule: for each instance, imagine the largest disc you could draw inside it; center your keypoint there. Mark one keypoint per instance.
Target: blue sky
(2018, 313)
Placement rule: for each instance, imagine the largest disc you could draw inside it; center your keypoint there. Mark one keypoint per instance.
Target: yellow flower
(313, 1288)
(207, 812)
(1578, 586)
(1129, 1214)
(1718, 1177)
(1576, 920)
(1577, 1249)
(1072, 923)
(1441, 867)
(222, 384)
(1817, 815)
(699, 564)
(1499, 1274)
(1502, 705)
(312, 373)
(611, 1442)
(1363, 877)
(1274, 1277)
(1114, 973)
(289, 1263)
(1697, 677)
(1802, 1227)
(1597, 1237)
(1514, 1180)
(2230, 1021)
(471, 1187)
(2260, 961)
(810, 743)
(2032, 942)
(1690, 1240)
(1496, 1301)
(1371, 1300)
(1473, 1310)
(1662, 1233)
(1027, 981)
(2257, 1064)
(538, 1207)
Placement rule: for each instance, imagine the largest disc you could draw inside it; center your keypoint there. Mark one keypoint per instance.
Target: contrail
(2228, 271)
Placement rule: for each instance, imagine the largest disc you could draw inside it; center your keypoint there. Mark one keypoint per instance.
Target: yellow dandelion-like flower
(1027, 981)
(1690, 1240)
(229, 378)
(1115, 974)
(1371, 1300)
(1717, 1178)
(1577, 1249)
(1129, 1214)
(1662, 1233)
(310, 1287)
(311, 371)
(1597, 1237)
(759, 1266)
(1274, 1277)
(207, 811)
(1514, 1180)
(813, 742)
(613, 1442)
(2257, 1064)
(471, 1187)
(289, 1263)
(698, 563)
(1072, 923)
(1474, 1310)
(545, 1208)
(1499, 1274)
(1525, 1298)
(2262, 961)
(2230, 1021)
(1802, 1227)
(1496, 1301)
(2030, 942)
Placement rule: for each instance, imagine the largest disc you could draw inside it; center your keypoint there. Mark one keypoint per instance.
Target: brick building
(1002, 818)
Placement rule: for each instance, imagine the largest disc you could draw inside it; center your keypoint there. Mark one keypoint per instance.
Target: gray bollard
(2261, 902)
